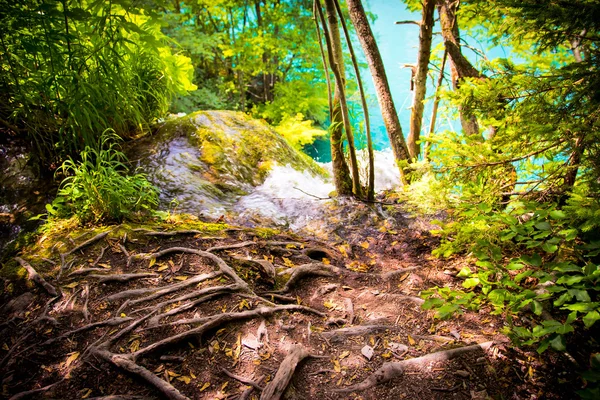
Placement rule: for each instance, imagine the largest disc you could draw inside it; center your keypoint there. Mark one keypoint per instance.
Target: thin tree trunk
(336, 62)
(363, 99)
(341, 173)
(416, 116)
(384, 95)
(460, 67)
(436, 104)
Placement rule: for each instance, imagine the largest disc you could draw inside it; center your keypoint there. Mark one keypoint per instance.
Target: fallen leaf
(135, 346)
(287, 262)
(152, 262)
(326, 261)
(105, 266)
(367, 351)
(160, 368)
(411, 341)
(72, 285)
(344, 355)
(71, 359)
(336, 366)
(87, 393)
(172, 373)
(205, 386)
(364, 245)
(181, 278)
(185, 379)
(244, 303)
(162, 268)
(5, 347)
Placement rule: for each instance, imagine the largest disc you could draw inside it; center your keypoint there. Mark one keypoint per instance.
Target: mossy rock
(208, 159)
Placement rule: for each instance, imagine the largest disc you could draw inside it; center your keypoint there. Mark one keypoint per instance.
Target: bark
(460, 67)
(436, 104)
(340, 108)
(363, 99)
(416, 117)
(382, 88)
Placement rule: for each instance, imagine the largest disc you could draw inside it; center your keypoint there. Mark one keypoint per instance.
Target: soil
(100, 339)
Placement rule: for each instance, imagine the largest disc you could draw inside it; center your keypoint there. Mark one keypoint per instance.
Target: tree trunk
(341, 173)
(336, 62)
(459, 65)
(384, 96)
(436, 104)
(363, 99)
(416, 116)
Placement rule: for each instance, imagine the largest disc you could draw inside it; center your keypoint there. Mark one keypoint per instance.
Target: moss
(266, 233)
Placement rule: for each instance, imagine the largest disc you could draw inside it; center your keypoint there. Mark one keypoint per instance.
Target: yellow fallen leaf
(135, 346)
(105, 266)
(192, 375)
(181, 278)
(395, 242)
(223, 386)
(411, 341)
(87, 393)
(336, 366)
(185, 379)
(5, 347)
(205, 386)
(123, 315)
(152, 262)
(71, 359)
(298, 299)
(173, 373)
(287, 262)
(72, 285)
(162, 268)
(387, 354)
(229, 352)
(290, 246)
(364, 245)
(160, 368)
(244, 304)
(326, 261)
(344, 355)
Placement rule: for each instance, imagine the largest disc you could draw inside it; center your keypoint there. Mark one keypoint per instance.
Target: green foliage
(71, 69)
(299, 132)
(97, 188)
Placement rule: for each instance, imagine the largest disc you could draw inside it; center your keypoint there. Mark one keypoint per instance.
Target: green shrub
(97, 188)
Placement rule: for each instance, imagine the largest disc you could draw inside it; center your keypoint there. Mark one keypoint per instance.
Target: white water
(295, 199)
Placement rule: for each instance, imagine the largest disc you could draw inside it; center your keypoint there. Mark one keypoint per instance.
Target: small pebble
(461, 373)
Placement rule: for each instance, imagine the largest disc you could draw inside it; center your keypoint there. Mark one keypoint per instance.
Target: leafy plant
(97, 188)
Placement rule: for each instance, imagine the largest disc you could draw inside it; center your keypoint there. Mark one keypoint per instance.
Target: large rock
(206, 160)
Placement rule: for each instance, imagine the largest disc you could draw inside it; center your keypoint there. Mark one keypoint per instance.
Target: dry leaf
(86, 393)
(344, 355)
(287, 262)
(71, 359)
(72, 285)
(162, 268)
(185, 379)
(336, 366)
(5, 347)
(244, 303)
(181, 278)
(172, 373)
(326, 261)
(106, 266)
(152, 262)
(205, 386)
(364, 245)
(411, 341)
(135, 346)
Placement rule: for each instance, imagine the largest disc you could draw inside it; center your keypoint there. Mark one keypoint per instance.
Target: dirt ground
(168, 314)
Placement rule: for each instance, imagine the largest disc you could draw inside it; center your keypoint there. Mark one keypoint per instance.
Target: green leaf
(537, 307)
(590, 318)
(549, 248)
(465, 272)
(557, 214)
(558, 343)
(470, 283)
(543, 226)
(581, 295)
(533, 260)
(583, 307)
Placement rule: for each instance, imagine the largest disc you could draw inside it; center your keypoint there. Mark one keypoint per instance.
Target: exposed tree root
(108, 322)
(84, 271)
(299, 272)
(88, 242)
(37, 278)
(29, 393)
(121, 397)
(391, 370)
(208, 323)
(275, 389)
(264, 265)
(126, 363)
(245, 381)
(360, 330)
(121, 277)
(160, 291)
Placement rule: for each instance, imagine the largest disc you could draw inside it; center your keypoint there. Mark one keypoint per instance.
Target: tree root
(245, 381)
(275, 389)
(297, 273)
(359, 330)
(109, 322)
(266, 266)
(88, 242)
(24, 395)
(127, 363)
(121, 397)
(121, 277)
(391, 370)
(37, 278)
(214, 321)
(160, 291)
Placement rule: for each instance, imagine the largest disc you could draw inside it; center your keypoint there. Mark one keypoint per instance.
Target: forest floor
(241, 313)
